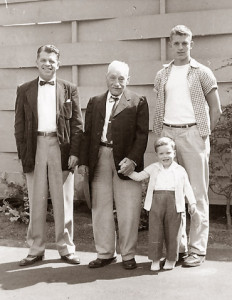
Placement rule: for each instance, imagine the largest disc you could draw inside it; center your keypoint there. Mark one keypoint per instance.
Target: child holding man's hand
(165, 199)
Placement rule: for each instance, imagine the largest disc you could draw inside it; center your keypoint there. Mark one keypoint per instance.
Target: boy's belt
(163, 192)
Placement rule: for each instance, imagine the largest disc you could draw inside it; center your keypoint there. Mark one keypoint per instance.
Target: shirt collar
(193, 63)
(52, 79)
(109, 96)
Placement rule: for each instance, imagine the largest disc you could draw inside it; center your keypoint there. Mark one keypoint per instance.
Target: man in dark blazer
(115, 138)
(48, 132)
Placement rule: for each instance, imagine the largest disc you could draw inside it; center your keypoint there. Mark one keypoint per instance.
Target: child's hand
(192, 208)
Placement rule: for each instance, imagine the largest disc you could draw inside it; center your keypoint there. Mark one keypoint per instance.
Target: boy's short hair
(164, 141)
(49, 49)
(181, 30)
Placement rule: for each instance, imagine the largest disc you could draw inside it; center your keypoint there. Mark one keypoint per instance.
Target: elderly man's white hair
(116, 64)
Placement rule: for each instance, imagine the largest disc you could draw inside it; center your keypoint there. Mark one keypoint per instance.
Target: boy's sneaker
(169, 265)
(155, 265)
(193, 260)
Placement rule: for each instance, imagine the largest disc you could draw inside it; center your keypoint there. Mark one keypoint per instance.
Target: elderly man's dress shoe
(129, 264)
(100, 262)
(71, 259)
(30, 260)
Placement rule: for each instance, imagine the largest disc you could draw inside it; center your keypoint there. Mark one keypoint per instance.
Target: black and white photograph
(116, 149)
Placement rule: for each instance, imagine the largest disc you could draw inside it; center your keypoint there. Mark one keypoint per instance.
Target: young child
(165, 199)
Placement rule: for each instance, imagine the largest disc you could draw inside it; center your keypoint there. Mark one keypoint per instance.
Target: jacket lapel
(60, 97)
(102, 105)
(32, 95)
(123, 103)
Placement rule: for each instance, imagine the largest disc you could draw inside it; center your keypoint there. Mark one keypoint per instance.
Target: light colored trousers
(48, 173)
(127, 194)
(193, 154)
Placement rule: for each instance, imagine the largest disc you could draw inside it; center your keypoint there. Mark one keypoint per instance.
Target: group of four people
(51, 143)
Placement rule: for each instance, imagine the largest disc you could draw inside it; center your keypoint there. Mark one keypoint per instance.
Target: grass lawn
(83, 235)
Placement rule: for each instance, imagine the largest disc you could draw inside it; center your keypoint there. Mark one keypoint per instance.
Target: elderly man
(115, 138)
(48, 132)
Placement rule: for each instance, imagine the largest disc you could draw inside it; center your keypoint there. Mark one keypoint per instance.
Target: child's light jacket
(182, 184)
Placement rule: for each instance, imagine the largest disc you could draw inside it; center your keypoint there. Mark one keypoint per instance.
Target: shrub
(15, 202)
(221, 160)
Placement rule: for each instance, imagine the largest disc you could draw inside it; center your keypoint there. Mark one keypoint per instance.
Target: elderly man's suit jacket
(130, 127)
(68, 119)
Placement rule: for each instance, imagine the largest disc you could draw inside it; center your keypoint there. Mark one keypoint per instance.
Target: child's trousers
(164, 226)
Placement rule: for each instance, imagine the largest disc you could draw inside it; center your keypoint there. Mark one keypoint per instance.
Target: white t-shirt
(178, 104)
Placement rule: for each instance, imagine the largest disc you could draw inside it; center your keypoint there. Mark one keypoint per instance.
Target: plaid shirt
(201, 81)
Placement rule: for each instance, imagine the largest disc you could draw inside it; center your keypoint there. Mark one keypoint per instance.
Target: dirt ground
(219, 236)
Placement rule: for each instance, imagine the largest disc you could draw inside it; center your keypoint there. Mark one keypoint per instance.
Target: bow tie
(113, 99)
(46, 82)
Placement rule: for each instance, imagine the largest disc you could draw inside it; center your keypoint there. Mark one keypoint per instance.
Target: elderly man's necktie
(109, 128)
(46, 82)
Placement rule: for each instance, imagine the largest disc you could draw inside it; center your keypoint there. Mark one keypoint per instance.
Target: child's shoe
(169, 265)
(155, 265)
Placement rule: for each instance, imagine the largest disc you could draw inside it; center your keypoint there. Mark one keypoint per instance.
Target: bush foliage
(221, 159)
(15, 202)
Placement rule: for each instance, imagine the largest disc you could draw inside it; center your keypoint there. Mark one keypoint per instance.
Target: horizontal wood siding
(196, 5)
(82, 53)
(70, 10)
(92, 33)
(38, 35)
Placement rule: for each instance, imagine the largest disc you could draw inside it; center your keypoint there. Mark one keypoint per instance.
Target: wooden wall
(92, 33)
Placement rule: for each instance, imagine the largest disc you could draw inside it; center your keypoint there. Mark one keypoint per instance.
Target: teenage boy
(187, 110)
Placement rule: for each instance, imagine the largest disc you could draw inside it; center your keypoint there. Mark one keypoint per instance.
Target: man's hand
(192, 209)
(72, 162)
(127, 166)
(83, 170)
(195, 215)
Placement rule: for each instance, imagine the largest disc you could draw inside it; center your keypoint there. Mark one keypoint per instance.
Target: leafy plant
(221, 159)
(15, 214)
(15, 202)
